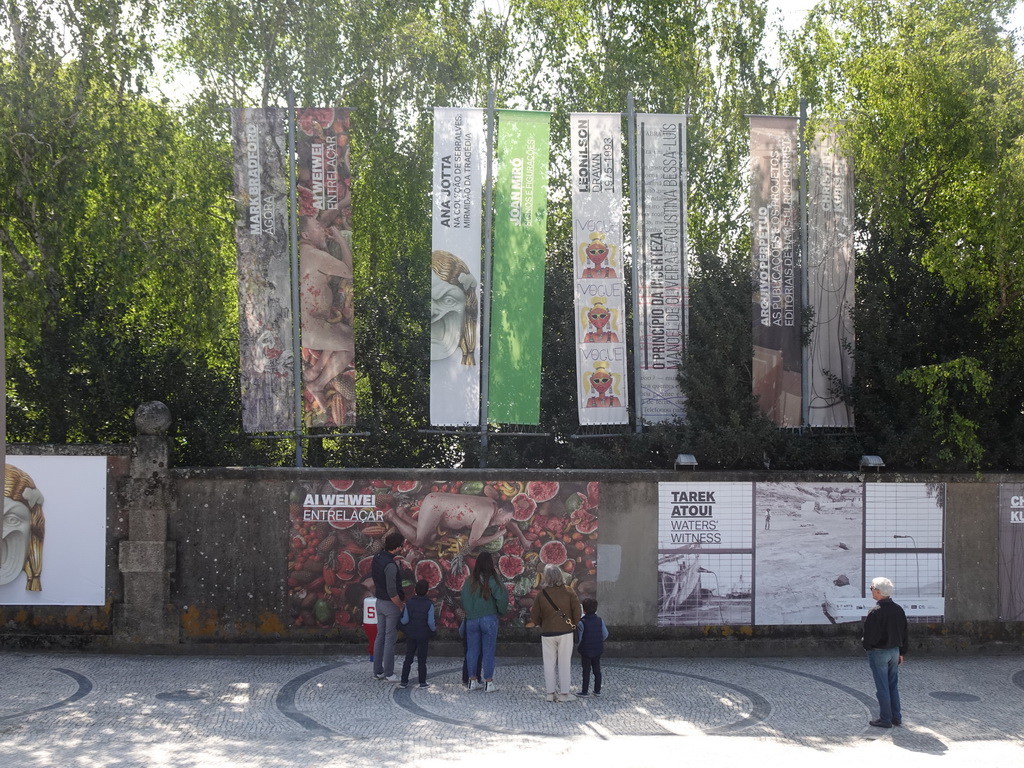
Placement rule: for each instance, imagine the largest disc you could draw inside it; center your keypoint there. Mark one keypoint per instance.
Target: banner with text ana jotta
(830, 282)
(324, 194)
(775, 243)
(595, 147)
(259, 142)
(337, 527)
(661, 263)
(455, 267)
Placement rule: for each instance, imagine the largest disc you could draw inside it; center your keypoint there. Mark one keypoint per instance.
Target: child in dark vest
(590, 635)
(418, 622)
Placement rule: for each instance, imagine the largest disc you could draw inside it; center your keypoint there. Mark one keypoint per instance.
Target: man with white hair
(885, 640)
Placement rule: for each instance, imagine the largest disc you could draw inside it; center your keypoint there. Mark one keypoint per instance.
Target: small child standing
(590, 635)
(418, 621)
(370, 620)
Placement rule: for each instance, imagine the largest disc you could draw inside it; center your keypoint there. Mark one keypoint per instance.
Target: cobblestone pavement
(64, 709)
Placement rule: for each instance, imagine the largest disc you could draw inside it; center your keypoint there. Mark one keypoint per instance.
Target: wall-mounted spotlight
(686, 460)
(871, 462)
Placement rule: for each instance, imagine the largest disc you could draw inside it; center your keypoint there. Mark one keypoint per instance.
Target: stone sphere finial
(152, 418)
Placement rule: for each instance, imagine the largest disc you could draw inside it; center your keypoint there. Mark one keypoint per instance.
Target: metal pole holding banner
(485, 285)
(685, 244)
(638, 396)
(293, 241)
(805, 378)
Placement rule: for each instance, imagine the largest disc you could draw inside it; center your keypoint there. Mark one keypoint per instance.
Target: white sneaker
(566, 697)
(392, 678)
(490, 687)
(474, 685)
(550, 697)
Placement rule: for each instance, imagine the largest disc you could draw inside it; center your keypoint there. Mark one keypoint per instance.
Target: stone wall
(197, 559)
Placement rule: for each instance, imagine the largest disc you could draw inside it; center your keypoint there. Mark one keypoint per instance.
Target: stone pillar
(146, 558)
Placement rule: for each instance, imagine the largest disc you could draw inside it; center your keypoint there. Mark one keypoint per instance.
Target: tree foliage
(116, 217)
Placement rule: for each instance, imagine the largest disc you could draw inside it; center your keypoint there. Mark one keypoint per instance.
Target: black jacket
(886, 627)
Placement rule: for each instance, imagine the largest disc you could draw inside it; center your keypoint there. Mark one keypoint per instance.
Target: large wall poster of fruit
(337, 527)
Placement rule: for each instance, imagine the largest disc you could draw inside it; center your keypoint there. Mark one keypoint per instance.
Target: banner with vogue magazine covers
(602, 388)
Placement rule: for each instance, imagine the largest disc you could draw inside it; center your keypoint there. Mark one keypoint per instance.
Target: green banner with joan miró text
(517, 286)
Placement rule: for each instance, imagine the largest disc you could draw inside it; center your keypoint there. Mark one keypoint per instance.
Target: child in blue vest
(590, 636)
(418, 621)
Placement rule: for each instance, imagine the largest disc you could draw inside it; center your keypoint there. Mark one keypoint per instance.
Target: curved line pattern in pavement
(1018, 679)
(760, 710)
(84, 688)
(285, 700)
(865, 699)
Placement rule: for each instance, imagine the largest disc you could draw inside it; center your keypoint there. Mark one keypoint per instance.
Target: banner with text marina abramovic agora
(338, 526)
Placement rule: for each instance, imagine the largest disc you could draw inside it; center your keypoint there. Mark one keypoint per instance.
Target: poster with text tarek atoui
(705, 554)
(338, 526)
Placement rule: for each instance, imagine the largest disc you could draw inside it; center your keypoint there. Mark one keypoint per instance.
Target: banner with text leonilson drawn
(775, 242)
(323, 187)
(661, 262)
(259, 141)
(337, 526)
(517, 285)
(455, 264)
(830, 282)
(595, 145)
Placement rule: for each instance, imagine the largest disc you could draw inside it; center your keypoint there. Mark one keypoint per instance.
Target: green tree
(932, 92)
(116, 266)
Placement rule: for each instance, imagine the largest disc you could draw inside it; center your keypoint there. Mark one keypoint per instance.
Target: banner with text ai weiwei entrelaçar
(595, 148)
(323, 187)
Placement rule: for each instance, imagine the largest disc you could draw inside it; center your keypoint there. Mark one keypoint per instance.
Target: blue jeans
(482, 637)
(885, 667)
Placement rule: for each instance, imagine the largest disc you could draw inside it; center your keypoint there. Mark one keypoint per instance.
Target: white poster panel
(1011, 551)
(705, 554)
(661, 263)
(596, 141)
(455, 267)
(830, 283)
(903, 541)
(54, 531)
(811, 535)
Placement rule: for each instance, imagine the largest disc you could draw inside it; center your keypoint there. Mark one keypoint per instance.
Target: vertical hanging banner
(775, 243)
(259, 143)
(661, 262)
(323, 190)
(517, 286)
(595, 141)
(455, 265)
(830, 282)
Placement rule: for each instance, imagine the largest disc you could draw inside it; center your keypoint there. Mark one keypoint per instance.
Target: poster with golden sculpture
(338, 526)
(53, 531)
